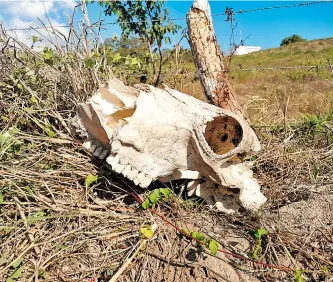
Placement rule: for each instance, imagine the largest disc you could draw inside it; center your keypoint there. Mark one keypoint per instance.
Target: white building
(242, 50)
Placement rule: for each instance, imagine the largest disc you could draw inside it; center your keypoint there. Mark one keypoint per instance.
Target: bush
(292, 39)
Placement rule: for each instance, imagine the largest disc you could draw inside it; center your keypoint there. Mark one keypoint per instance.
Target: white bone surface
(87, 145)
(166, 139)
(93, 148)
(110, 159)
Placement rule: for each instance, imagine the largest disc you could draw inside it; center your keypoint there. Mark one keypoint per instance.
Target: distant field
(276, 95)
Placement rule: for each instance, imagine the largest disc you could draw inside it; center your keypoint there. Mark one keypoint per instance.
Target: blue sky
(264, 28)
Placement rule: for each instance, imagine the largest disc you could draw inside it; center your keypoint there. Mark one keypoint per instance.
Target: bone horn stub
(92, 123)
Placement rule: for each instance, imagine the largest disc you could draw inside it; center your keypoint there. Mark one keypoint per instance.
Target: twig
(30, 236)
(125, 265)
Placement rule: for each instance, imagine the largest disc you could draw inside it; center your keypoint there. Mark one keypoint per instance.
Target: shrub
(292, 39)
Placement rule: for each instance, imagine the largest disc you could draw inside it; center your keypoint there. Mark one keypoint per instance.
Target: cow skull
(148, 134)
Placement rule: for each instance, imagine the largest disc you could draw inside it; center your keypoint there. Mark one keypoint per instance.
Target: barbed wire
(281, 68)
(314, 67)
(227, 13)
(282, 6)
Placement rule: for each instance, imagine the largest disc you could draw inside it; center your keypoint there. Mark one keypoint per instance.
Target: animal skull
(161, 134)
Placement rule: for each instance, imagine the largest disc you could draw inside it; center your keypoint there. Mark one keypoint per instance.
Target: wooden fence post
(208, 57)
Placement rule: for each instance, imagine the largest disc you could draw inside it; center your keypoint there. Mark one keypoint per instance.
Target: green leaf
(17, 262)
(29, 191)
(1, 198)
(213, 247)
(50, 133)
(254, 255)
(166, 192)
(16, 274)
(5, 139)
(89, 62)
(253, 158)
(34, 39)
(298, 276)
(61, 247)
(90, 179)
(33, 99)
(116, 58)
(19, 86)
(197, 235)
(147, 231)
(186, 231)
(39, 215)
(47, 54)
(4, 118)
(134, 61)
(260, 232)
(146, 204)
(154, 196)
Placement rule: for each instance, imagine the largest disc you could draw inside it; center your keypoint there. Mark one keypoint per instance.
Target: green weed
(155, 196)
(257, 250)
(211, 244)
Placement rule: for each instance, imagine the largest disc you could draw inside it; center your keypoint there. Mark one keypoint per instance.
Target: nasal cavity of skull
(223, 134)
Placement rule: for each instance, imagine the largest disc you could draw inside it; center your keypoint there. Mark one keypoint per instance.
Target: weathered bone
(164, 134)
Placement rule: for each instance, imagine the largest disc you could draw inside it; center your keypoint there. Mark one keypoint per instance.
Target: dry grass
(274, 96)
(55, 228)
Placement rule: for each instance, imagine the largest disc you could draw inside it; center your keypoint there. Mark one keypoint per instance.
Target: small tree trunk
(208, 57)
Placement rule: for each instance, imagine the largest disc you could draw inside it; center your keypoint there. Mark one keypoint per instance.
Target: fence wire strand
(197, 73)
(227, 13)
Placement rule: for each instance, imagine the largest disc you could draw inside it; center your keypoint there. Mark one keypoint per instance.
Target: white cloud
(68, 4)
(29, 9)
(23, 14)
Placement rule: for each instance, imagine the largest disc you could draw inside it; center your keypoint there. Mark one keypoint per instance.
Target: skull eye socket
(223, 134)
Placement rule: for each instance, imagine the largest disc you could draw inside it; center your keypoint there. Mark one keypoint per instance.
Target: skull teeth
(132, 174)
(115, 162)
(104, 154)
(139, 178)
(127, 170)
(119, 168)
(87, 145)
(98, 152)
(145, 182)
(93, 148)
(136, 181)
(110, 159)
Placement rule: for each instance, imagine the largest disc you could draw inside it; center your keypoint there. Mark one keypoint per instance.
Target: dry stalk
(120, 271)
(30, 235)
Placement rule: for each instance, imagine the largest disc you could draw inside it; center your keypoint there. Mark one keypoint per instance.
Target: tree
(292, 39)
(127, 56)
(150, 22)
